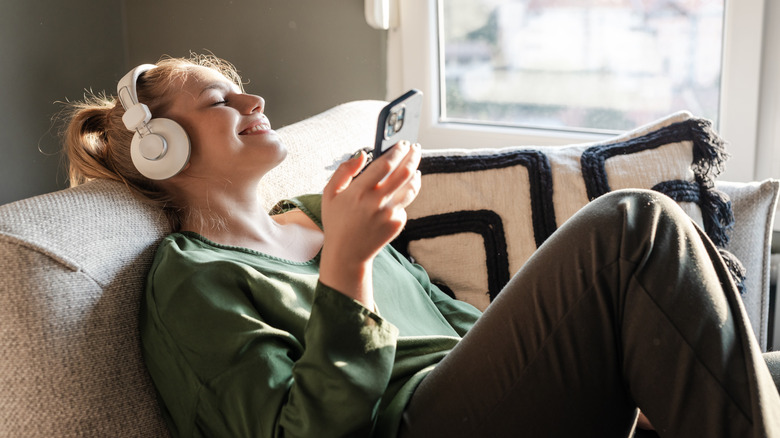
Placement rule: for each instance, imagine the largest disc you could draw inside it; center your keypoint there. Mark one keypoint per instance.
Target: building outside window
(592, 65)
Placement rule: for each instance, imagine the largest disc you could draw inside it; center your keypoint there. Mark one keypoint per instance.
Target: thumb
(344, 173)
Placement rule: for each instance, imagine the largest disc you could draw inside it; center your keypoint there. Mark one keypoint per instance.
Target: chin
(281, 152)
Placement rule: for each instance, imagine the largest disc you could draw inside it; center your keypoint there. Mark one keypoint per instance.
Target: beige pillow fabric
(481, 213)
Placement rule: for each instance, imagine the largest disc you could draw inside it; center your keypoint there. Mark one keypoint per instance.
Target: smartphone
(399, 120)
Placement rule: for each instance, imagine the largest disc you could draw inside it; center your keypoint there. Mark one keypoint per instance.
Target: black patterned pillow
(481, 213)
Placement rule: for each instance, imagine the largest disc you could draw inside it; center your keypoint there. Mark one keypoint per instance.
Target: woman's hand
(362, 215)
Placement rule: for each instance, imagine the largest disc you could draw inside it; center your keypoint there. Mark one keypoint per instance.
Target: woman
(306, 323)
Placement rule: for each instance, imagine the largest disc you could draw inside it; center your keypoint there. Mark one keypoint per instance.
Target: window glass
(585, 65)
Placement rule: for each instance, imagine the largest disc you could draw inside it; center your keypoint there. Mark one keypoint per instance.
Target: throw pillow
(481, 213)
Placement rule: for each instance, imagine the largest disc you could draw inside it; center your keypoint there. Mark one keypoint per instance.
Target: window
(585, 65)
(546, 72)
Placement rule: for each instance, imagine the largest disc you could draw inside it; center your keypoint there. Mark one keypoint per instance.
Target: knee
(639, 218)
(636, 199)
(640, 208)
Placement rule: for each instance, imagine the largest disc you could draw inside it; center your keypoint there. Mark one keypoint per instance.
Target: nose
(255, 103)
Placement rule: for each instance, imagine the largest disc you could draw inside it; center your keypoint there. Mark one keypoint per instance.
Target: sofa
(74, 261)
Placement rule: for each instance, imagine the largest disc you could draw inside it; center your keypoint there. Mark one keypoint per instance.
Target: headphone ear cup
(162, 153)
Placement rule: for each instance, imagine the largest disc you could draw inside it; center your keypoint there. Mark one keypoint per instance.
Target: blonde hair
(97, 143)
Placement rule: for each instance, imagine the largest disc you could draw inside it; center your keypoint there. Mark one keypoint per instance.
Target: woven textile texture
(751, 240)
(482, 212)
(74, 263)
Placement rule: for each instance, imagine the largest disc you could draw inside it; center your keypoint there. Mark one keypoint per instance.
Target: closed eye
(221, 102)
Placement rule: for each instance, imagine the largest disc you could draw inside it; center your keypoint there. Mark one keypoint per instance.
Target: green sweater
(240, 343)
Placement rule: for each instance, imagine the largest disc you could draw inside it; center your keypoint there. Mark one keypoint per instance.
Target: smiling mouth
(261, 126)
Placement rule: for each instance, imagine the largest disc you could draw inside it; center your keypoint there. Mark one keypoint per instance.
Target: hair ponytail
(86, 140)
(97, 145)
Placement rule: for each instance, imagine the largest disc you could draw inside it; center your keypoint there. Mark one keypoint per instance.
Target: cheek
(207, 145)
(202, 154)
(207, 130)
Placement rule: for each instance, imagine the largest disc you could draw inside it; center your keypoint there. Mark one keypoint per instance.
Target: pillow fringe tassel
(709, 161)
(709, 158)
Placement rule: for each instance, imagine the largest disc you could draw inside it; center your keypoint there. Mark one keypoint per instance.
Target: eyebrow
(215, 86)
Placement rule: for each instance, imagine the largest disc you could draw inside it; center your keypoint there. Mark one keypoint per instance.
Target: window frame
(414, 62)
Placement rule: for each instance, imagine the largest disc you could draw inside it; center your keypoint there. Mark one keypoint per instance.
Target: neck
(213, 210)
(239, 218)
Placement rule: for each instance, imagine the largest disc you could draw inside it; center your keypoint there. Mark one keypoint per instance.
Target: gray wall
(50, 51)
(302, 56)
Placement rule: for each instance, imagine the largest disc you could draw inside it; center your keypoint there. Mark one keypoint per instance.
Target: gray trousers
(628, 304)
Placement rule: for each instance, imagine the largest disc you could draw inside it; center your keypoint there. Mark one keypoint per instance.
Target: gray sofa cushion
(74, 263)
(751, 240)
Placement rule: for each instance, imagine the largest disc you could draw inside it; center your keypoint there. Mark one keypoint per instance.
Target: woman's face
(231, 138)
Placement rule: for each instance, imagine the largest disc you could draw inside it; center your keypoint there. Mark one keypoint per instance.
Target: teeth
(256, 128)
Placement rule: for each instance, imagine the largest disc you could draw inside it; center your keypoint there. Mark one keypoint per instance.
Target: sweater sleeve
(250, 370)
(342, 374)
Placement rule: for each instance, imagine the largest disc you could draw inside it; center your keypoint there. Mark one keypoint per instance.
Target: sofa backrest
(316, 147)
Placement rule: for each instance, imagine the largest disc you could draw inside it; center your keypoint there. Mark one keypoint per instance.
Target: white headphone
(160, 148)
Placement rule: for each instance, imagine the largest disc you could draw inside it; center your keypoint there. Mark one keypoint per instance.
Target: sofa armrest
(773, 361)
(73, 268)
(754, 206)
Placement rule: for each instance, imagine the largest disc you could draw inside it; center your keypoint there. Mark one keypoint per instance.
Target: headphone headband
(128, 85)
(135, 116)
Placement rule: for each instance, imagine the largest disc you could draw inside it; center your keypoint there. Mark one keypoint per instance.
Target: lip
(259, 125)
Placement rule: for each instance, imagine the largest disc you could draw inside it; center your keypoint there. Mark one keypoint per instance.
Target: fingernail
(357, 154)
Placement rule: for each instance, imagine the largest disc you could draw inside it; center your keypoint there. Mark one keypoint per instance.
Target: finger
(408, 193)
(343, 175)
(404, 172)
(384, 165)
